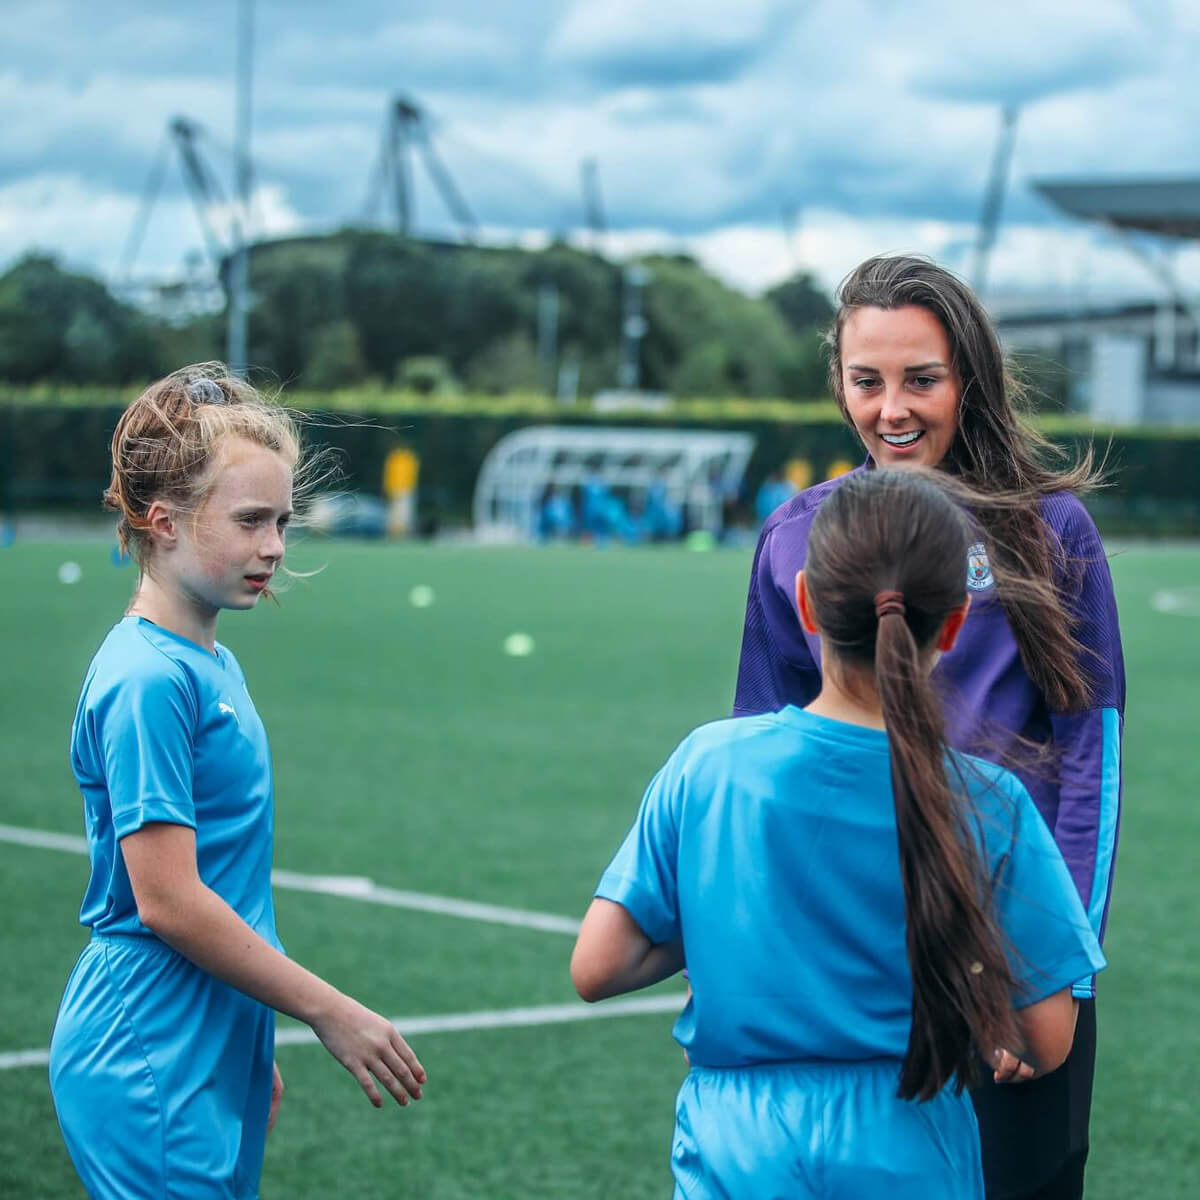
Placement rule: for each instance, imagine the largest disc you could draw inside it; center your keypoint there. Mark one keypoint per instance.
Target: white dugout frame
(696, 466)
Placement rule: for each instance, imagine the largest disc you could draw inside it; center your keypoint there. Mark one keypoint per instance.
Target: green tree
(686, 308)
(487, 301)
(335, 359)
(507, 364)
(59, 325)
(296, 295)
(395, 293)
(426, 374)
(801, 302)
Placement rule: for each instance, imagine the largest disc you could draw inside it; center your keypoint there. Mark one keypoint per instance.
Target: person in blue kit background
(861, 910)
(918, 372)
(162, 1057)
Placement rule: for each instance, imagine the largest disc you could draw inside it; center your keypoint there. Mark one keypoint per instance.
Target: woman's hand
(276, 1097)
(1010, 1069)
(367, 1045)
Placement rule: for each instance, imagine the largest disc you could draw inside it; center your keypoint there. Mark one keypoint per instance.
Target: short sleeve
(145, 730)
(1050, 940)
(642, 878)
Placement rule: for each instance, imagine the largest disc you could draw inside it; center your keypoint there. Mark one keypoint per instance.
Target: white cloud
(103, 113)
(1048, 262)
(617, 27)
(402, 47)
(707, 118)
(1023, 49)
(89, 227)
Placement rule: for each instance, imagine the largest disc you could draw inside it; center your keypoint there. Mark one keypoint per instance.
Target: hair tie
(889, 602)
(206, 391)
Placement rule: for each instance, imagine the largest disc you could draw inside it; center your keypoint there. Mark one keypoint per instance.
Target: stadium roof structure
(697, 468)
(1167, 207)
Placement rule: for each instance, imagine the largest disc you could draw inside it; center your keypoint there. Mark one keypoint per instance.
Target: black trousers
(1034, 1136)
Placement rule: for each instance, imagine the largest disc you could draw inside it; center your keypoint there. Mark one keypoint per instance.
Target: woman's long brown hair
(899, 531)
(994, 451)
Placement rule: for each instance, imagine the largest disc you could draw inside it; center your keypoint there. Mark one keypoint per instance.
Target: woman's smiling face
(901, 388)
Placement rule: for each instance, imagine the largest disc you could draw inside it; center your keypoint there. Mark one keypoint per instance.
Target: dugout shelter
(698, 469)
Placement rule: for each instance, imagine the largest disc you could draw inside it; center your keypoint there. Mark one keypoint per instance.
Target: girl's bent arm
(175, 904)
(612, 955)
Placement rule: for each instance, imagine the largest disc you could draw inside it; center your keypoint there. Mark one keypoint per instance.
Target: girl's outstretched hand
(367, 1045)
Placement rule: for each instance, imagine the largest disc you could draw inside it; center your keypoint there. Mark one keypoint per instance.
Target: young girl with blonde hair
(162, 1059)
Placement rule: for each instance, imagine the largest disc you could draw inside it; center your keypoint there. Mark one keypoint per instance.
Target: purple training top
(990, 699)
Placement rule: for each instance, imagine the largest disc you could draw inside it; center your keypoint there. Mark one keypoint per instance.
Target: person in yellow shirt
(400, 472)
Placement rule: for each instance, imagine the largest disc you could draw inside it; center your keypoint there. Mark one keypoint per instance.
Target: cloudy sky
(761, 135)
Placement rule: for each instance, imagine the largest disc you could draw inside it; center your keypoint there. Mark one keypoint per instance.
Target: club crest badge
(979, 570)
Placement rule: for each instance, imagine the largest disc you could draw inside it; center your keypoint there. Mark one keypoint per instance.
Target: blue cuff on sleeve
(150, 812)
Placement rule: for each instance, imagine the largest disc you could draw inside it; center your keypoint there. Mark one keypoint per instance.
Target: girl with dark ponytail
(863, 912)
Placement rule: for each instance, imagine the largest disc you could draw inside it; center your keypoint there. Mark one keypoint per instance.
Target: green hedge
(54, 446)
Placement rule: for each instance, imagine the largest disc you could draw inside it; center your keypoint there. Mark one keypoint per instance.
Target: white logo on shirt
(979, 570)
(228, 708)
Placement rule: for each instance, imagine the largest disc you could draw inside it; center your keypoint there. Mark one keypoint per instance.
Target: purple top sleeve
(1089, 743)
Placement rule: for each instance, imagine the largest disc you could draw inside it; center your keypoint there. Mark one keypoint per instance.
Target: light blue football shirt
(769, 842)
(165, 731)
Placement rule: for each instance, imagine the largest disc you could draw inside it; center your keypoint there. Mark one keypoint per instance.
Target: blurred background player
(400, 471)
(917, 370)
(772, 492)
(662, 516)
(878, 880)
(162, 1058)
(556, 520)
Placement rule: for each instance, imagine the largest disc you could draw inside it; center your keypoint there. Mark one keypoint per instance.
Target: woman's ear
(808, 621)
(952, 626)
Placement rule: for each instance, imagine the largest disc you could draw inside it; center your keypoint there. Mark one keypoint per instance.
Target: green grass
(411, 750)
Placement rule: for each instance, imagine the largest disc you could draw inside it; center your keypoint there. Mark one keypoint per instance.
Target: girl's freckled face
(229, 553)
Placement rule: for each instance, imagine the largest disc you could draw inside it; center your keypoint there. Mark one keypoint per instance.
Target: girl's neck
(849, 697)
(170, 609)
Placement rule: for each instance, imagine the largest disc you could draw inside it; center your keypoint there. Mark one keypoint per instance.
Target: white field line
(503, 1018)
(349, 887)
(1177, 602)
(357, 887)
(43, 840)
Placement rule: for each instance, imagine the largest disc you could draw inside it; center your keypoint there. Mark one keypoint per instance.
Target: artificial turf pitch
(411, 750)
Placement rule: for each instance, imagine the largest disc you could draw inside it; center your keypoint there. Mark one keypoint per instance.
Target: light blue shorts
(161, 1076)
(810, 1131)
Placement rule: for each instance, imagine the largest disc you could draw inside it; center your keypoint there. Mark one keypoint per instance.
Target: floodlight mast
(593, 203)
(201, 183)
(407, 132)
(633, 325)
(232, 272)
(993, 201)
(238, 305)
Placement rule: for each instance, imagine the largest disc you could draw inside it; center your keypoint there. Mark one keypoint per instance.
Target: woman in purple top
(918, 372)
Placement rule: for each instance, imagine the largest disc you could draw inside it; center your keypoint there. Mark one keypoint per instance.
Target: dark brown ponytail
(886, 565)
